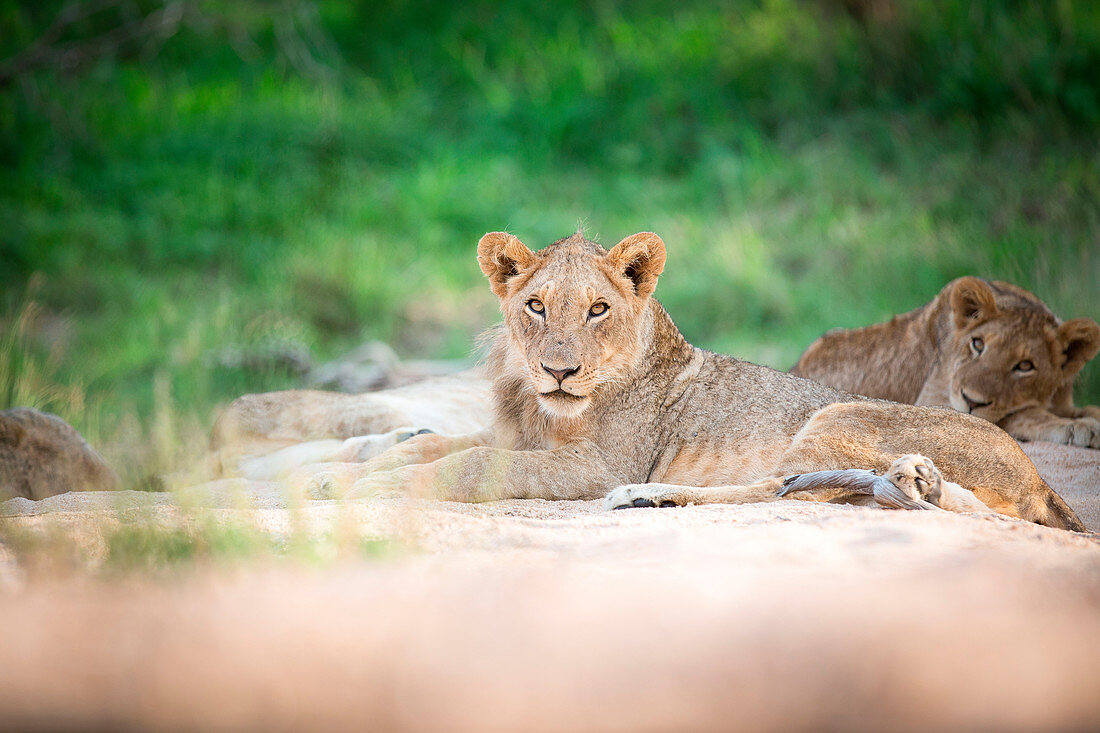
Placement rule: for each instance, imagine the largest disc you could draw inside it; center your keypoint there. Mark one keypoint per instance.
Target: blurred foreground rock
(42, 455)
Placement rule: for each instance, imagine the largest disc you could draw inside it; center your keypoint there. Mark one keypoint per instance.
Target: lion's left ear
(972, 301)
(641, 258)
(1080, 340)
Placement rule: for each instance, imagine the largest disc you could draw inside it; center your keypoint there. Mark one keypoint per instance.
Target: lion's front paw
(365, 447)
(914, 474)
(913, 482)
(404, 481)
(405, 434)
(1091, 411)
(1083, 432)
(320, 480)
(323, 485)
(641, 495)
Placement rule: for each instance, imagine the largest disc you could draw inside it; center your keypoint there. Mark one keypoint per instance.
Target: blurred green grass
(809, 164)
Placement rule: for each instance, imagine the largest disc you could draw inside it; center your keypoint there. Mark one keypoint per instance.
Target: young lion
(987, 348)
(596, 390)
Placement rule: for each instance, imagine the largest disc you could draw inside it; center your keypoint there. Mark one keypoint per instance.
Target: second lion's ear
(502, 256)
(640, 258)
(972, 301)
(1080, 339)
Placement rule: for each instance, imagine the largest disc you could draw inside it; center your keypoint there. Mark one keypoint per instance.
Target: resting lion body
(596, 391)
(990, 349)
(265, 436)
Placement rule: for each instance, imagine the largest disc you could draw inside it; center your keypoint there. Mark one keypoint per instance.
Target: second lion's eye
(536, 306)
(977, 344)
(1024, 366)
(597, 310)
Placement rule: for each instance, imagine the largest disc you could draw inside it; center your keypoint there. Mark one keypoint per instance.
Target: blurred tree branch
(126, 26)
(49, 51)
(297, 29)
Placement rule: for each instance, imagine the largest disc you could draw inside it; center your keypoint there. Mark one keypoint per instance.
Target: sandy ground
(537, 615)
(1072, 472)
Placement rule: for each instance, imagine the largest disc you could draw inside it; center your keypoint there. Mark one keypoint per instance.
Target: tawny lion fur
(596, 391)
(991, 349)
(265, 436)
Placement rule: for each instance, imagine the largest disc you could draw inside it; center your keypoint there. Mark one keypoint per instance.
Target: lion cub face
(573, 311)
(1007, 359)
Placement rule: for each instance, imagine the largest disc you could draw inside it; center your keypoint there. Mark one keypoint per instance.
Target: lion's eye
(536, 306)
(1024, 366)
(977, 344)
(597, 310)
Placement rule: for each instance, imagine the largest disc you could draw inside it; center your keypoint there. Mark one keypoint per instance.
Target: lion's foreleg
(424, 448)
(322, 480)
(1082, 428)
(279, 463)
(487, 474)
(669, 495)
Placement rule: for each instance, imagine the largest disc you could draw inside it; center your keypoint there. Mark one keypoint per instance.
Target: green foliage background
(320, 174)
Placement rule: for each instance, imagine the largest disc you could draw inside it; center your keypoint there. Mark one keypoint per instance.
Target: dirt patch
(542, 615)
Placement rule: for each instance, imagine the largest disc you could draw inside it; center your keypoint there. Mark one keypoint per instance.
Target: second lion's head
(573, 311)
(1003, 359)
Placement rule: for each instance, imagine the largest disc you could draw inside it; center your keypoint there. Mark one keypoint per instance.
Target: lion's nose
(560, 374)
(973, 403)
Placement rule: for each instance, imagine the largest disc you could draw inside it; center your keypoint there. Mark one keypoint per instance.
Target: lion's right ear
(11, 432)
(972, 301)
(1080, 339)
(502, 256)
